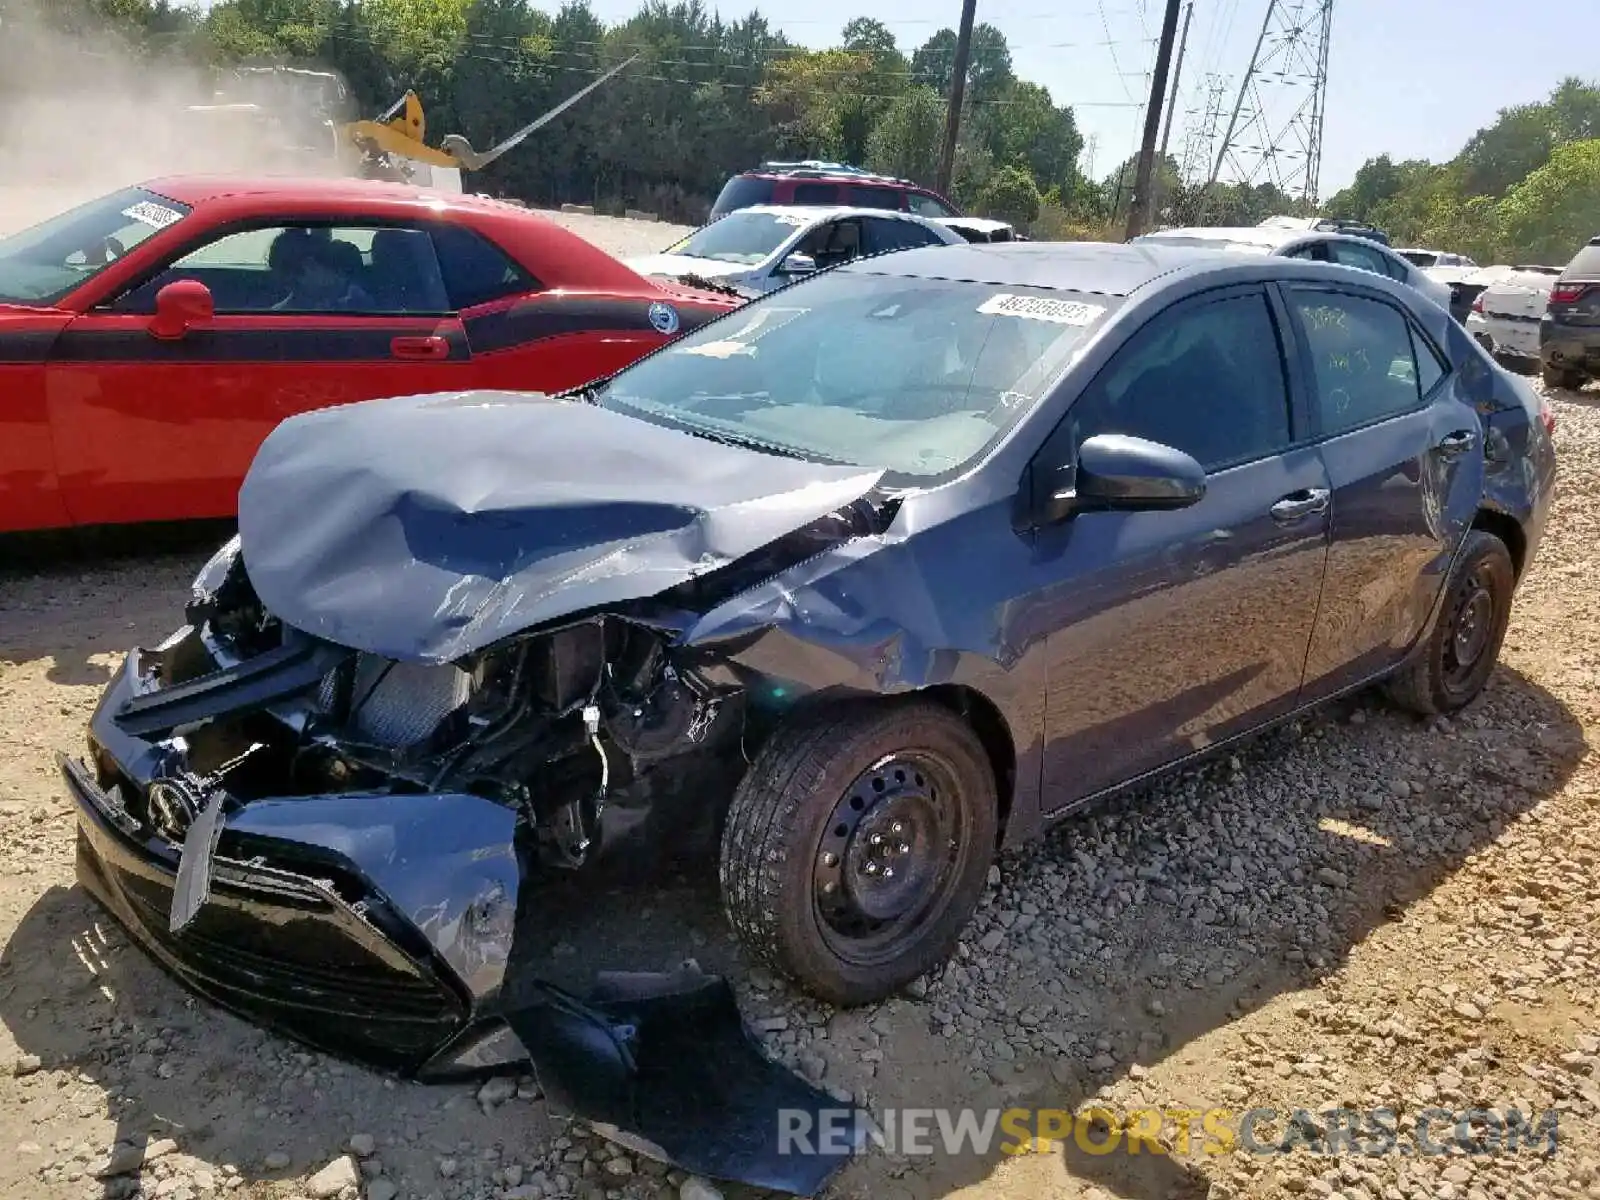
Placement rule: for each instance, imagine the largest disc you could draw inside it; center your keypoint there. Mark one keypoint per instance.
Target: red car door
(157, 410)
(30, 492)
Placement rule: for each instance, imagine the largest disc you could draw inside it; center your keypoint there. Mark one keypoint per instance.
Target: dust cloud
(83, 113)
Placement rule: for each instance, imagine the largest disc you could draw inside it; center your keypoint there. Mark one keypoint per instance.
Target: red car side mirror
(179, 307)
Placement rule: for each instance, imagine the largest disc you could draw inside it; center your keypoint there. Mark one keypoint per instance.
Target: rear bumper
(377, 927)
(1569, 348)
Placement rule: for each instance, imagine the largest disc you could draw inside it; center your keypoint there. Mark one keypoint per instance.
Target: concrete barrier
(586, 209)
(634, 214)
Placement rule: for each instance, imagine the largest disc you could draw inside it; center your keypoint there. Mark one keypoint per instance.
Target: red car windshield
(42, 264)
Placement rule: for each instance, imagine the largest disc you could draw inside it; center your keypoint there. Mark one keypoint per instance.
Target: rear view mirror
(797, 264)
(1116, 472)
(179, 307)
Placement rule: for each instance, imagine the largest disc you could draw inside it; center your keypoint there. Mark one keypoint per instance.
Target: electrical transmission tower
(1275, 132)
(1200, 134)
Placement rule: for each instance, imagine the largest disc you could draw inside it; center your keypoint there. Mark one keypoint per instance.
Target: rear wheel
(857, 846)
(1460, 654)
(1561, 377)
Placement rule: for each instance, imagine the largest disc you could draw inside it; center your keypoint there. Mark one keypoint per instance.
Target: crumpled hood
(424, 527)
(681, 264)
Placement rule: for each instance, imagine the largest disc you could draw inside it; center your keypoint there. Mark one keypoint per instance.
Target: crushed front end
(353, 850)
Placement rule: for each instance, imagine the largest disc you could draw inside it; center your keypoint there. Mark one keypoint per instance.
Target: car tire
(805, 885)
(1453, 667)
(1558, 377)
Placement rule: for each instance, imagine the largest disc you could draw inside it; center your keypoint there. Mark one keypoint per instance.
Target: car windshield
(1587, 261)
(742, 237)
(42, 264)
(918, 377)
(1421, 258)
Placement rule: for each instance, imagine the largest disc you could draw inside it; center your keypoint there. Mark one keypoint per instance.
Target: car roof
(207, 189)
(1108, 268)
(1257, 235)
(564, 258)
(1115, 269)
(821, 212)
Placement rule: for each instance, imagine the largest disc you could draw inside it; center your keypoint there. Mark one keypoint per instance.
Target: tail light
(1565, 293)
(1477, 305)
(1547, 416)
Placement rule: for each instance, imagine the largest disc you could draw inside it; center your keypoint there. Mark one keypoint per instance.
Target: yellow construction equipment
(395, 145)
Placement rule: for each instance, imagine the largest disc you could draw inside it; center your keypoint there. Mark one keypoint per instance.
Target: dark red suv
(824, 184)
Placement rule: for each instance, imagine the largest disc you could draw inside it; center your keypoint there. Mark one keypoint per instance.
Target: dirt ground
(1363, 911)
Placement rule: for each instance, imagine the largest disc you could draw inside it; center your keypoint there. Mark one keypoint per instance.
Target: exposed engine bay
(585, 724)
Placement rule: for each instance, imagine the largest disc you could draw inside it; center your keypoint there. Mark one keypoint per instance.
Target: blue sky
(1413, 78)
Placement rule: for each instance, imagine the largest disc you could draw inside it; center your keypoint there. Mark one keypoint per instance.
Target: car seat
(843, 244)
(404, 276)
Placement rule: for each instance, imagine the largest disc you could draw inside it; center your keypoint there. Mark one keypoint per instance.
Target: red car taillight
(1477, 305)
(1547, 416)
(1565, 293)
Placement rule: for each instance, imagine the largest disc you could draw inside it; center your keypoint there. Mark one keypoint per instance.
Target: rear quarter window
(742, 191)
(475, 270)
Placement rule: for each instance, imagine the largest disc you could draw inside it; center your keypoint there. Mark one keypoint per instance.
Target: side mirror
(1116, 472)
(180, 306)
(797, 264)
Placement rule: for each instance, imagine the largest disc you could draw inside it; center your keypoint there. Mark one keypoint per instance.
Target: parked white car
(1505, 313)
(1288, 241)
(755, 250)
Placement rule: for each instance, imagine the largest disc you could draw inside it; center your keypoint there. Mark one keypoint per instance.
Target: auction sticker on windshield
(157, 216)
(1041, 308)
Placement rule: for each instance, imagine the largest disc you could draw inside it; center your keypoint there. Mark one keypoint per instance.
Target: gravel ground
(1363, 910)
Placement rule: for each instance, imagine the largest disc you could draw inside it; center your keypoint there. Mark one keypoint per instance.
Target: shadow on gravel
(1127, 936)
(1174, 944)
(72, 596)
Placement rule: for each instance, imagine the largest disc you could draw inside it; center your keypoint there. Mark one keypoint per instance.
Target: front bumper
(378, 927)
(406, 930)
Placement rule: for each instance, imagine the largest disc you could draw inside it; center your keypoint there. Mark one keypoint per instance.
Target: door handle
(420, 347)
(1453, 445)
(1297, 506)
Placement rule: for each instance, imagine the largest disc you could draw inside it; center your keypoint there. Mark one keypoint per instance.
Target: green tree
(906, 142)
(1556, 209)
(1010, 195)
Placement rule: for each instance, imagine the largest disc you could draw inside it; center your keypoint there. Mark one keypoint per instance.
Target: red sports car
(151, 339)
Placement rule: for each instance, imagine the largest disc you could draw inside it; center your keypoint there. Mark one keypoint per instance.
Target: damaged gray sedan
(867, 578)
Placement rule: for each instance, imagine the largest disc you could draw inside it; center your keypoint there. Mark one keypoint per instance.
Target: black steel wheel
(1454, 665)
(857, 845)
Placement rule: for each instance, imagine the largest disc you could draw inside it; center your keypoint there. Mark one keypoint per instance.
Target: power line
(731, 85)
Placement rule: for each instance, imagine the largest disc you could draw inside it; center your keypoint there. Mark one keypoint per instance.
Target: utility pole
(1152, 121)
(1177, 74)
(1172, 104)
(958, 92)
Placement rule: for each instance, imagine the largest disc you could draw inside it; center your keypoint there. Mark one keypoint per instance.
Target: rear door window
(1352, 254)
(1363, 358)
(816, 193)
(884, 235)
(876, 197)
